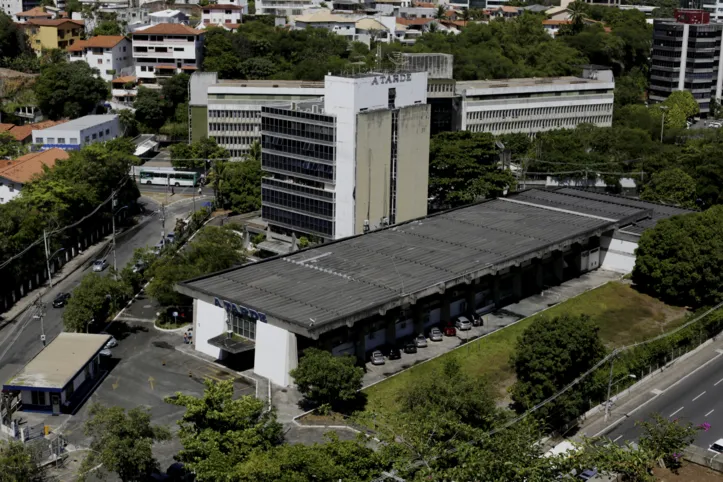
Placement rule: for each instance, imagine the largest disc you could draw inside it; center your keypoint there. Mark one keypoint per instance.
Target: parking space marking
(618, 438)
(681, 408)
(716, 383)
(696, 398)
(709, 413)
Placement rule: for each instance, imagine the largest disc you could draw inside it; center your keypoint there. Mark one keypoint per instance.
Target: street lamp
(610, 384)
(662, 121)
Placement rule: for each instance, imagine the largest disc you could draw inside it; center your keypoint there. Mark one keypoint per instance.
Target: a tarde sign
(391, 79)
(242, 311)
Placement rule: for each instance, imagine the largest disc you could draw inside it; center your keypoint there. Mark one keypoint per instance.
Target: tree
(238, 184)
(10, 147)
(19, 463)
(665, 439)
(679, 262)
(122, 442)
(463, 169)
(681, 106)
(197, 154)
(175, 89)
(69, 89)
(150, 108)
(128, 123)
(108, 27)
(326, 379)
(550, 354)
(94, 299)
(671, 186)
(440, 13)
(13, 41)
(219, 433)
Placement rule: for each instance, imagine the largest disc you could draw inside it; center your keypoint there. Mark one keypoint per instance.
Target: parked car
(477, 319)
(377, 358)
(106, 352)
(587, 474)
(717, 446)
(463, 323)
(421, 341)
(394, 353)
(139, 267)
(715, 125)
(61, 300)
(450, 330)
(112, 343)
(171, 238)
(435, 334)
(99, 265)
(157, 249)
(410, 347)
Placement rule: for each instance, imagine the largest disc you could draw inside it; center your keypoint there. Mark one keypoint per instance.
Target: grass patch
(169, 324)
(623, 314)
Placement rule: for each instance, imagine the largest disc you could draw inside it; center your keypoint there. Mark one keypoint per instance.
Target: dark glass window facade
(310, 224)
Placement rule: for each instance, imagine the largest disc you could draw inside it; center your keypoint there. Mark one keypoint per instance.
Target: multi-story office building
(686, 56)
(537, 104)
(166, 49)
(230, 110)
(353, 162)
(110, 54)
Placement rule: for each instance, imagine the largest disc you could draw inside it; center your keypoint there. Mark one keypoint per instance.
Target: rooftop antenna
(379, 56)
(397, 60)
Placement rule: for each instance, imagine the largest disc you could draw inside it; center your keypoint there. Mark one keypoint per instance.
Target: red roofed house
(24, 133)
(37, 13)
(165, 49)
(226, 16)
(108, 53)
(18, 172)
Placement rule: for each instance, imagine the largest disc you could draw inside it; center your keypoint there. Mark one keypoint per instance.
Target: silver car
(377, 358)
(420, 341)
(463, 323)
(435, 335)
(99, 265)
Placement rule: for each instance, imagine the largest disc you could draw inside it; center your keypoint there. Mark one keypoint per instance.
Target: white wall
(209, 321)
(275, 355)
(617, 255)
(6, 192)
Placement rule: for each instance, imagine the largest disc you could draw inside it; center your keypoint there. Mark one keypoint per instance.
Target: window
(37, 398)
(11, 186)
(100, 61)
(38, 140)
(61, 140)
(107, 132)
(73, 140)
(95, 136)
(51, 140)
(100, 134)
(178, 49)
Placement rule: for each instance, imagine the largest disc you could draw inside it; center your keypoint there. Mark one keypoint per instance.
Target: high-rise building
(351, 162)
(686, 56)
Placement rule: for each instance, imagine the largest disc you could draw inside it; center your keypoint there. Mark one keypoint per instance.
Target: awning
(166, 66)
(232, 345)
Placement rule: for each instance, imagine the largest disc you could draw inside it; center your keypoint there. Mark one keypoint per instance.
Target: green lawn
(623, 315)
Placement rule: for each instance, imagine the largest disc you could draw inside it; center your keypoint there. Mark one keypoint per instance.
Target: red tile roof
(425, 5)
(189, 67)
(169, 29)
(414, 21)
(6, 127)
(54, 23)
(124, 80)
(23, 133)
(104, 41)
(165, 66)
(77, 46)
(24, 168)
(35, 12)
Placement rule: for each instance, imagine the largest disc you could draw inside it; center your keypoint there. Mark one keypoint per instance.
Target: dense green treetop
(69, 89)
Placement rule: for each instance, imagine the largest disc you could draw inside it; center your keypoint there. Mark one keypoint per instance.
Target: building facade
(13, 7)
(284, 8)
(230, 110)
(110, 54)
(79, 132)
(354, 162)
(166, 49)
(15, 173)
(686, 56)
(222, 15)
(52, 34)
(536, 105)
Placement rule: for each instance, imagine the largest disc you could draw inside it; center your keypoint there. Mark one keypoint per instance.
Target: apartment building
(37, 13)
(230, 110)
(163, 50)
(534, 105)
(228, 16)
(353, 162)
(284, 8)
(685, 56)
(13, 7)
(49, 34)
(110, 54)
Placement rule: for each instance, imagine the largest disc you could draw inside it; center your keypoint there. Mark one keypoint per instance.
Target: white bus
(166, 177)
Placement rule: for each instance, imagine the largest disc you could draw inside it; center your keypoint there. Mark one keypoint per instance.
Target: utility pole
(47, 257)
(112, 212)
(610, 383)
(40, 313)
(163, 223)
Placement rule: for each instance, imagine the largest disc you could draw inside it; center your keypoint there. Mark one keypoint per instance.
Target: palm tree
(466, 15)
(441, 13)
(254, 152)
(577, 12)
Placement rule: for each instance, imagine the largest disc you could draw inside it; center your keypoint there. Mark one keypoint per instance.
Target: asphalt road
(20, 340)
(179, 191)
(697, 399)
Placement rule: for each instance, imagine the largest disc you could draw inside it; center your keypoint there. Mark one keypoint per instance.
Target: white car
(717, 446)
(99, 265)
(715, 125)
(112, 343)
(377, 358)
(463, 323)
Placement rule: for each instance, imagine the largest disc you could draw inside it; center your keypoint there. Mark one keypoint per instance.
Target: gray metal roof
(659, 211)
(343, 278)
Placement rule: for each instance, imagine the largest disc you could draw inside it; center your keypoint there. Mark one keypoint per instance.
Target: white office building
(228, 16)
(110, 54)
(79, 132)
(284, 8)
(534, 105)
(230, 110)
(353, 162)
(163, 50)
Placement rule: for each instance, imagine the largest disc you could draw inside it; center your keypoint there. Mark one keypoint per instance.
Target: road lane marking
(681, 408)
(716, 383)
(696, 398)
(718, 350)
(618, 438)
(708, 413)
(656, 391)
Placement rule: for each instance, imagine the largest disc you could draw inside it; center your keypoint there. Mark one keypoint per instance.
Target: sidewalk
(629, 401)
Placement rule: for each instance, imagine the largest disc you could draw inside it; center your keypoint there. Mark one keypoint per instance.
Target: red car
(450, 330)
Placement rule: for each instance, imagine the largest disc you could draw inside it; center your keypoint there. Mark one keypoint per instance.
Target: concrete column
(390, 330)
(496, 290)
(539, 272)
(417, 318)
(517, 283)
(558, 266)
(444, 315)
(683, 57)
(471, 292)
(361, 345)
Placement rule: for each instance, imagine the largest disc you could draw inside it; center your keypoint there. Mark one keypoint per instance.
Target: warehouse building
(356, 294)
(80, 132)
